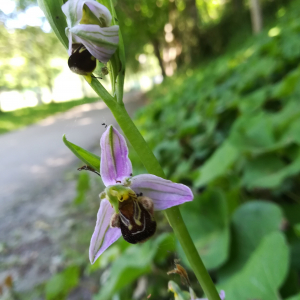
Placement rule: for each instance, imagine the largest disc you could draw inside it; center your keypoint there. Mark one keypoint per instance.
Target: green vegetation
(231, 130)
(22, 117)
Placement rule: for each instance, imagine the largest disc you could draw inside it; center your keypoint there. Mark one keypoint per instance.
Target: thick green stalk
(173, 214)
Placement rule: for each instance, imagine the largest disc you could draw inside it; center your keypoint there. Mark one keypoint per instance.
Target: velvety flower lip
(101, 41)
(116, 169)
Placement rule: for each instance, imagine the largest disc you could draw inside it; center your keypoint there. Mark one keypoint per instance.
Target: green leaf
(250, 224)
(87, 157)
(296, 297)
(217, 165)
(132, 264)
(58, 287)
(207, 221)
(287, 85)
(264, 272)
(253, 133)
(268, 171)
(56, 18)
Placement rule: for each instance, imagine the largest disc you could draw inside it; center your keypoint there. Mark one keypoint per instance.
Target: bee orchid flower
(128, 202)
(90, 34)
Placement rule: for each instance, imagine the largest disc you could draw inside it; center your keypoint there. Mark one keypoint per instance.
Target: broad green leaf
(60, 284)
(253, 101)
(56, 18)
(268, 171)
(87, 157)
(250, 224)
(257, 169)
(132, 264)
(291, 284)
(207, 221)
(253, 133)
(287, 85)
(217, 165)
(296, 297)
(264, 272)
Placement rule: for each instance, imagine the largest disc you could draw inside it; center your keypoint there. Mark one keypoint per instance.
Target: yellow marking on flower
(89, 18)
(122, 193)
(137, 213)
(88, 78)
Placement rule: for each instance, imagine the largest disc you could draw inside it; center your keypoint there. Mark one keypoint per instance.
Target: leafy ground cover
(231, 131)
(22, 117)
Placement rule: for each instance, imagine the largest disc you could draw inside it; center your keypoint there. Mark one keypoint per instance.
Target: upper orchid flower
(128, 202)
(90, 35)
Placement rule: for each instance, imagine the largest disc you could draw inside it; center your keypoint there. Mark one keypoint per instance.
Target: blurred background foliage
(225, 121)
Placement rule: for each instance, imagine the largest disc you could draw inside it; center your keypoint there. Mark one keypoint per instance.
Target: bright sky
(33, 16)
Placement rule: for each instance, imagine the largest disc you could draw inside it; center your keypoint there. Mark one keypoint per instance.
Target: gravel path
(33, 189)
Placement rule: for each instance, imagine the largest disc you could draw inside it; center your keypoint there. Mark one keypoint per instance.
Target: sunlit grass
(23, 117)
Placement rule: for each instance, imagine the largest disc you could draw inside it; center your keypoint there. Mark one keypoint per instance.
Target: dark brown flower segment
(81, 60)
(136, 222)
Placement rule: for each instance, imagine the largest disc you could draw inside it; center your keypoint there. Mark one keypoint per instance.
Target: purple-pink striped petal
(73, 10)
(115, 165)
(164, 193)
(103, 235)
(100, 42)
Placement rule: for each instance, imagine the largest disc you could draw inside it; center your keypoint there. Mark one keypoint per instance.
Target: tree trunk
(155, 44)
(238, 5)
(193, 12)
(256, 16)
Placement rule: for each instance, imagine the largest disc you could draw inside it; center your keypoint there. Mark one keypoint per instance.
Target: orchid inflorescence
(91, 36)
(128, 202)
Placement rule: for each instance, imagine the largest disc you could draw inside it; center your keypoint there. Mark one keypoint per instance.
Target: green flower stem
(173, 214)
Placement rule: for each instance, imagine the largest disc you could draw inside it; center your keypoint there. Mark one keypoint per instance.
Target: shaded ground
(34, 189)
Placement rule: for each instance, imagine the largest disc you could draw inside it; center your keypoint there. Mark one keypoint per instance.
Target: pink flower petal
(99, 10)
(73, 10)
(103, 235)
(164, 193)
(100, 42)
(115, 165)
